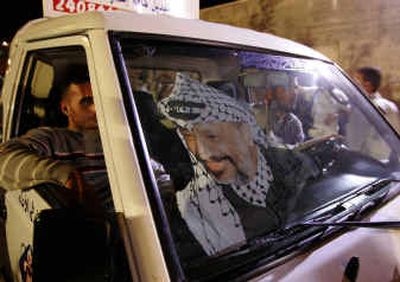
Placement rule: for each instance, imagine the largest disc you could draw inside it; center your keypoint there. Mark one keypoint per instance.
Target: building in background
(350, 32)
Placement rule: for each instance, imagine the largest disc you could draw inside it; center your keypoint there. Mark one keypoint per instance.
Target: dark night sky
(19, 12)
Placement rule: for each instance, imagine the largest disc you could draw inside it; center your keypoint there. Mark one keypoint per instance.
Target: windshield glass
(244, 143)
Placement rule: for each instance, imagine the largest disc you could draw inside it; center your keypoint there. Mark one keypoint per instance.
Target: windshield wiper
(369, 198)
(264, 250)
(341, 215)
(381, 183)
(365, 224)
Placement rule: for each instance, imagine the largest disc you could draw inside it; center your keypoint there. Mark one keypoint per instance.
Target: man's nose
(206, 151)
(92, 108)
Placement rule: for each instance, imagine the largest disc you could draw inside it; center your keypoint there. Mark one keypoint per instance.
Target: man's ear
(369, 87)
(64, 108)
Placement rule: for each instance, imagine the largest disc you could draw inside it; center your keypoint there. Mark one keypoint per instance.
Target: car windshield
(245, 142)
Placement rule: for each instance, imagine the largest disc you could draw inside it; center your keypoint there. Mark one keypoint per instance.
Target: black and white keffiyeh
(192, 102)
(208, 213)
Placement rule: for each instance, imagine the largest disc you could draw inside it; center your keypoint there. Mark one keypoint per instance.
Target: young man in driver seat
(71, 156)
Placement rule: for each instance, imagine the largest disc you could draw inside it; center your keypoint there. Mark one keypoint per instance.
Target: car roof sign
(178, 8)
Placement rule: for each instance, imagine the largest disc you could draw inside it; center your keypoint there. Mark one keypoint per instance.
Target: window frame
(27, 72)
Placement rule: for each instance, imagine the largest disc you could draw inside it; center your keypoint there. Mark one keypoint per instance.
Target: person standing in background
(370, 79)
(360, 136)
(284, 124)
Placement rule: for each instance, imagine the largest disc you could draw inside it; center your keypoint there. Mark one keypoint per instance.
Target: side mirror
(71, 246)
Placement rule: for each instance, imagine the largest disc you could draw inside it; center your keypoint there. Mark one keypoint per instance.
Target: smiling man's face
(226, 149)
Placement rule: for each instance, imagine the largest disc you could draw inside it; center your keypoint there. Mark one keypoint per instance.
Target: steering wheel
(324, 151)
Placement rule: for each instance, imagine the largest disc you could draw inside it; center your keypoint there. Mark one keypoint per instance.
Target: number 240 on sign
(78, 6)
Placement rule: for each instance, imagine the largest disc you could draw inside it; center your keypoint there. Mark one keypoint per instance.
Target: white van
(232, 155)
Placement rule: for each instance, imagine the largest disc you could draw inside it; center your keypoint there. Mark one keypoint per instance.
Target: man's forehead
(218, 126)
(358, 75)
(77, 91)
(81, 89)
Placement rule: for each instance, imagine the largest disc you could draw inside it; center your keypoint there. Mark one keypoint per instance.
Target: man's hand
(84, 193)
(76, 184)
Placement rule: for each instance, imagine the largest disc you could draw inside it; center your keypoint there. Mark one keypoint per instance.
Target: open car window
(244, 144)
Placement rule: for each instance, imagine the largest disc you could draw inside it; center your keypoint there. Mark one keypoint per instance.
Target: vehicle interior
(318, 102)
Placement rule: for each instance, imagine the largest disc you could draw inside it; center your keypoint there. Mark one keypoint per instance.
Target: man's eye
(212, 136)
(86, 101)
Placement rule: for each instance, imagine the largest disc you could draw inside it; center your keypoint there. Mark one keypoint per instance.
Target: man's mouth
(218, 164)
(216, 168)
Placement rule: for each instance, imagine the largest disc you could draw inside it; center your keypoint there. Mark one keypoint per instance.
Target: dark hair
(371, 74)
(74, 74)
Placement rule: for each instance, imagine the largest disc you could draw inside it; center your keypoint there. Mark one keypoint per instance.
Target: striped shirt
(288, 127)
(47, 154)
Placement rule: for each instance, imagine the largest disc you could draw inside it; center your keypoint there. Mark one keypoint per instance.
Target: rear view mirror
(69, 246)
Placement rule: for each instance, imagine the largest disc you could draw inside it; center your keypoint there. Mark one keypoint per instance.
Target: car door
(34, 105)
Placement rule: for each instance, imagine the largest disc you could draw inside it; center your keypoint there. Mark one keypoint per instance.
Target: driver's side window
(55, 86)
(36, 101)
